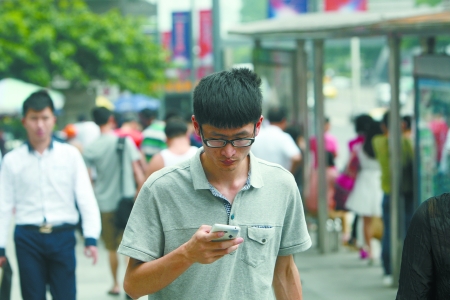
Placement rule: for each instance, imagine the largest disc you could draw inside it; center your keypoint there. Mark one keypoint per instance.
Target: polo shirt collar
(31, 149)
(201, 182)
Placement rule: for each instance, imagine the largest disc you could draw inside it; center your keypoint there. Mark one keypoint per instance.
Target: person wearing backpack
(114, 181)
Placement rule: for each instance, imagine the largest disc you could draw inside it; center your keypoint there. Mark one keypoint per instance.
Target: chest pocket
(258, 245)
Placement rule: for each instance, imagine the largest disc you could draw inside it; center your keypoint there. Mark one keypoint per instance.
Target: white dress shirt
(46, 187)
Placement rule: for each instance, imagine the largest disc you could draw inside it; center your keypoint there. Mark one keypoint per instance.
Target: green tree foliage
(428, 2)
(41, 39)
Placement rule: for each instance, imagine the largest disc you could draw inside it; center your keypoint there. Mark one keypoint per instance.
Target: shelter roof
(331, 25)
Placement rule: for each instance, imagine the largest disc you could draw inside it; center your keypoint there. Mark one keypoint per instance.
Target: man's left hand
(91, 251)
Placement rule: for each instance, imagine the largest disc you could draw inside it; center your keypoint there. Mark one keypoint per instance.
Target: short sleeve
(290, 148)
(143, 238)
(294, 237)
(88, 157)
(131, 150)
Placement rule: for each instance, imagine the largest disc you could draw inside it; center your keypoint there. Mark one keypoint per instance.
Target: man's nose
(228, 150)
(40, 123)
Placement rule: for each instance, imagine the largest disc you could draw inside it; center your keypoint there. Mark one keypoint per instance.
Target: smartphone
(231, 231)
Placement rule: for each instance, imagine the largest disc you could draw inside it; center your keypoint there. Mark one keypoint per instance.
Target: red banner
(345, 5)
(205, 38)
(166, 40)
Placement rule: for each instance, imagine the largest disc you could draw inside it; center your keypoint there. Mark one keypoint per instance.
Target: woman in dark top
(425, 269)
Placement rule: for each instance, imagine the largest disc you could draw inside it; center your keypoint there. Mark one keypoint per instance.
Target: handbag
(345, 182)
(125, 205)
(377, 228)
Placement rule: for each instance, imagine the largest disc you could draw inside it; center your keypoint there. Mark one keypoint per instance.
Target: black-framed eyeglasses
(219, 143)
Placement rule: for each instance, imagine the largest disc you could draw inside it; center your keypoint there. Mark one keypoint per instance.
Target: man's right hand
(2, 260)
(143, 278)
(201, 249)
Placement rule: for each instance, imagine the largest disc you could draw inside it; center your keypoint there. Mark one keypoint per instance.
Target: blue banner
(181, 42)
(283, 8)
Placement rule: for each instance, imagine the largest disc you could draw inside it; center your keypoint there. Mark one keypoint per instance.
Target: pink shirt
(331, 145)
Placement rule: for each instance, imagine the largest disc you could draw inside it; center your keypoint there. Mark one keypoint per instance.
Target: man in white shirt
(275, 145)
(45, 181)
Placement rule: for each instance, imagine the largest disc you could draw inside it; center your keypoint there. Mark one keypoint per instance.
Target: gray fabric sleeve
(295, 237)
(87, 157)
(143, 238)
(131, 152)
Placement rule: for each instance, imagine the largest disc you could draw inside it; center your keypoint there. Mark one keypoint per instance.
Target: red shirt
(135, 135)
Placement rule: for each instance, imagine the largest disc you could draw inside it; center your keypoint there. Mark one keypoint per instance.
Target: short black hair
(407, 120)
(81, 118)
(362, 123)
(175, 127)
(228, 99)
(385, 119)
(129, 117)
(276, 114)
(295, 131)
(38, 101)
(372, 130)
(148, 113)
(172, 114)
(101, 115)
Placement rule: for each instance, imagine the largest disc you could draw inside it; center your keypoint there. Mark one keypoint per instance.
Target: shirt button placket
(41, 184)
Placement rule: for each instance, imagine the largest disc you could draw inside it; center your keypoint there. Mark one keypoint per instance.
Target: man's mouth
(228, 162)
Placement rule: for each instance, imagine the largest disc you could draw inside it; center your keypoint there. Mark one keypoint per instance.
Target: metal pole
(193, 75)
(255, 55)
(301, 70)
(320, 122)
(313, 6)
(396, 205)
(356, 74)
(217, 42)
(157, 36)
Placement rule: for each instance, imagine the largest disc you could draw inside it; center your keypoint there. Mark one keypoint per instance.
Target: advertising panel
(166, 40)
(181, 42)
(205, 44)
(283, 8)
(433, 136)
(345, 5)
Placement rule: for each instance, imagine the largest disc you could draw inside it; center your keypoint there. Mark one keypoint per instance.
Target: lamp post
(217, 42)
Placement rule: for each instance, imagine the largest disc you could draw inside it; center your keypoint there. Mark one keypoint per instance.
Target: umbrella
(135, 103)
(14, 92)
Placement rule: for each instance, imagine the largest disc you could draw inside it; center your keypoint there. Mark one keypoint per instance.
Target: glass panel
(433, 138)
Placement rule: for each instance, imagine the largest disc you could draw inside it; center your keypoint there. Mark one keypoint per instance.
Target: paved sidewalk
(341, 276)
(334, 276)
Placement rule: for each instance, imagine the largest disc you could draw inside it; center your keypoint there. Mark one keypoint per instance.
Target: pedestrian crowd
(153, 189)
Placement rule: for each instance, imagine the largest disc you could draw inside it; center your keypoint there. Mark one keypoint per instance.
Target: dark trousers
(5, 285)
(404, 224)
(46, 259)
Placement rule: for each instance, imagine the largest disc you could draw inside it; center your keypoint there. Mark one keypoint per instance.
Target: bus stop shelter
(319, 27)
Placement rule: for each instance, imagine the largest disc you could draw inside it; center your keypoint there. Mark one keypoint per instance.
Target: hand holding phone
(230, 231)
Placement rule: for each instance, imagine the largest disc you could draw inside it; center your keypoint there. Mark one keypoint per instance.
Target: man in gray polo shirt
(168, 236)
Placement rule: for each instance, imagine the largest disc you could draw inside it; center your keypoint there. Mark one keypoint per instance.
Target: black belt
(47, 228)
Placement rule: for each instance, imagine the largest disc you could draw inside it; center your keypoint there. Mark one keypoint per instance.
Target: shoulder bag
(345, 181)
(125, 204)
